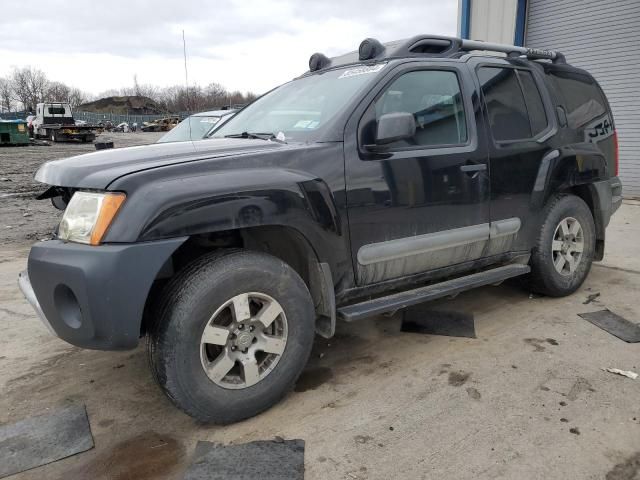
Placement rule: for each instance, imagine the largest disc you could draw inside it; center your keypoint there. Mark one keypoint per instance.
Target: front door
(422, 203)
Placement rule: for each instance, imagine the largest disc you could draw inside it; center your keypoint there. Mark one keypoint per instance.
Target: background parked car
(197, 126)
(161, 124)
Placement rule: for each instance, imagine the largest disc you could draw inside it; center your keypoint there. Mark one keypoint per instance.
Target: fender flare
(565, 168)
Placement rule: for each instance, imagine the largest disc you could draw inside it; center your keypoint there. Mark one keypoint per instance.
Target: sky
(244, 45)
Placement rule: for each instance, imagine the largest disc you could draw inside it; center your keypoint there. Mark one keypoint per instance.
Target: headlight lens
(88, 216)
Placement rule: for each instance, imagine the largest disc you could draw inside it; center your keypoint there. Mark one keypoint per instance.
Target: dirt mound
(132, 105)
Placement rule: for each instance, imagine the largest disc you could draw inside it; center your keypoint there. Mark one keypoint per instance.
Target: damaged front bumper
(27, 290)
(94, 296)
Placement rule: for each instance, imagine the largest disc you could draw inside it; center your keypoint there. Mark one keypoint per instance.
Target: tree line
(179, 98)
(27, 86)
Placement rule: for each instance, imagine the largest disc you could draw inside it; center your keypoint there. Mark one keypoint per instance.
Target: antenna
(186, 76)
(186, 81)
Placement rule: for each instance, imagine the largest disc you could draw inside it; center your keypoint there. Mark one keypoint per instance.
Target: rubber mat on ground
(43, 439)
(614, 324)
(266, 460)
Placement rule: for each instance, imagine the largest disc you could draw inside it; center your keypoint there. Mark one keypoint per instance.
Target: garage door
(602, 37)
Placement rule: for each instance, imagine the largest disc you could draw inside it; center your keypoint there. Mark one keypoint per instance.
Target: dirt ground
(23, 219)
(526, 399)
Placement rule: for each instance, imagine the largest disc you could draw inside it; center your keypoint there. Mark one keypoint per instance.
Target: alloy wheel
(243, 340)
(567, 246)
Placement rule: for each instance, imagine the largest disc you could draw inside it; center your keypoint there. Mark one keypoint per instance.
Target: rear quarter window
(582, 99)
(586, 111)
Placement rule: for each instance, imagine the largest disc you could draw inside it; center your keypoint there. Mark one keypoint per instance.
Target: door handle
(476, 167)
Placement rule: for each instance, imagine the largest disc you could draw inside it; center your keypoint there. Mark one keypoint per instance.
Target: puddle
(143, 457)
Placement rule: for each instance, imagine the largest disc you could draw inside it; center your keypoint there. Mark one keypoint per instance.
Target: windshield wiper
(258, 136)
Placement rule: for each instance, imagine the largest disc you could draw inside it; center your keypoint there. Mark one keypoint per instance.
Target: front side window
(514, 104)
(434, 99)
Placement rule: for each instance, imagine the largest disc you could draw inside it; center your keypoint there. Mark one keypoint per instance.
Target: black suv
(396, 174)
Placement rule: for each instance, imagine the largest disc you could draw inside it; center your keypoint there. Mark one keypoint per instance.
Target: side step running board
(401, 300)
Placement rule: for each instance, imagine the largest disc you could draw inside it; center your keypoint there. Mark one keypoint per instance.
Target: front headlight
(88, 216)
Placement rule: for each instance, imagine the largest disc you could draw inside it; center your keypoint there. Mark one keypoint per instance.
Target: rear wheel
(233, 333)
(564, 251)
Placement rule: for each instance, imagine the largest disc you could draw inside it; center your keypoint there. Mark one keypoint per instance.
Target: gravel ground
(24, 220)
(527, 399)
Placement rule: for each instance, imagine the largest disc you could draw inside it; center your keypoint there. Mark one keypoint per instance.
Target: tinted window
(56, 110)
(533, 101)
(508, 115)
(435, 101)
(582, 98)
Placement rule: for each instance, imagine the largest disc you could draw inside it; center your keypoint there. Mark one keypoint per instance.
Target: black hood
(98, 169)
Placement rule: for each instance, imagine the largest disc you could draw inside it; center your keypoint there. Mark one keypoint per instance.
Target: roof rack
(512, 50)
(427, 46)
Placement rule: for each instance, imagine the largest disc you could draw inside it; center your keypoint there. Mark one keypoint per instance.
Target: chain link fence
(116, 119)
(13, 115)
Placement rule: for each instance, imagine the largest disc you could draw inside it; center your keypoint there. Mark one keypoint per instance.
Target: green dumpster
(14, 132)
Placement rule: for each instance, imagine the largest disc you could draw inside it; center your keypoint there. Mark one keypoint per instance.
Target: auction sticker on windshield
(352, 72)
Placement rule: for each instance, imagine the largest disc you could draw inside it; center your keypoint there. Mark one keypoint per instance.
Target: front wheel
(564, 250)
(233, 334)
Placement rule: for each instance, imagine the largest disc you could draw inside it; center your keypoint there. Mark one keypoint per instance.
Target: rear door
(423, 203)
(519, 114)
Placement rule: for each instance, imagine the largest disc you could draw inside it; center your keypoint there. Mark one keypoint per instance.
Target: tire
(194, 300)
(568, 226)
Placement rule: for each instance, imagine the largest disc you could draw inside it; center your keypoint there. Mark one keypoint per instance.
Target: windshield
(194, 127)
(298, 110)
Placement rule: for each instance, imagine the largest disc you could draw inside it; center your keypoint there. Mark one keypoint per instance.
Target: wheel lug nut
(240, 327)
(233, 348)
(251, 328)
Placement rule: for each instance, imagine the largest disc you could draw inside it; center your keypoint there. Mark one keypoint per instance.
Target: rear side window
(533, 100)
(514, 104)
(582, 98)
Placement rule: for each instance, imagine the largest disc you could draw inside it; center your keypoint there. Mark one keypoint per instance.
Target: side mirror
(395, 126)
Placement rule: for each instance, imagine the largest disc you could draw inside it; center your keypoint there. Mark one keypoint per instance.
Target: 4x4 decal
(598, 130)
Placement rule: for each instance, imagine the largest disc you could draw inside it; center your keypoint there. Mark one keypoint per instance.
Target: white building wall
(493, 20)
(604, 39)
